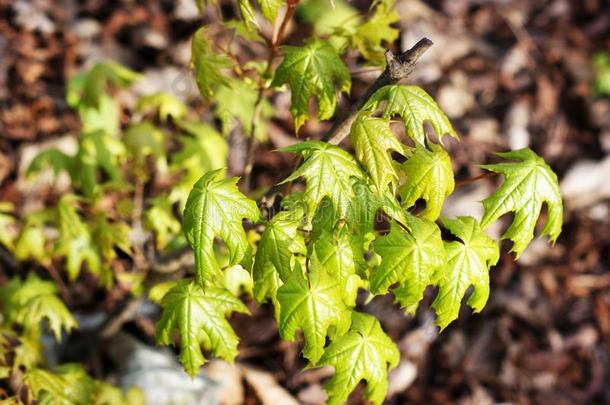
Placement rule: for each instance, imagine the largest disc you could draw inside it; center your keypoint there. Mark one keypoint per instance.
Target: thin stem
(470, 180)
(275, 41)
(398, 67)
(63, 288)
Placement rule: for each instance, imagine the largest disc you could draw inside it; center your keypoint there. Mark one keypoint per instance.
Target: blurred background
(509, 74)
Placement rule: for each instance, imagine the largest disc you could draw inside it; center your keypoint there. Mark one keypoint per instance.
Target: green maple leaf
(144, 141)
(53, 158)
(372, 139)
(207, 65)
(199, 318)
(276, 254)
(238, 279)
(341, 254)
(601, 64)
(202, 150)
(468, 263)
(102, 118)
(215, 207)
(363, 212)
(370, 36)
(108, 236)
(269, 8)
(415, 107)
(29, 353)
(98, 151)
(242, 29)
(364, 353)
(328, 171)
(75, 241)
(30, 302)
(237, 102)
(31, 244)
(71, 385)
(312, 70)
(89, 87)
(166, 104)
(312, 304)
(337, 26)
(160, 219)
(409, 258)
(429, 177)
(528, 183)
(56, 389)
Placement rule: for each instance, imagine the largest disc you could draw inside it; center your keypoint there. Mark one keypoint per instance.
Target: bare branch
(398, 67)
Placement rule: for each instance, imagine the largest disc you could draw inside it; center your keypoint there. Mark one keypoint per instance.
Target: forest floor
(509, 74)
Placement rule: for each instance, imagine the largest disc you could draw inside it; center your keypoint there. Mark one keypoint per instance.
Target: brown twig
(470, 180)
(275, 41)
(398, 67)
(127, 314)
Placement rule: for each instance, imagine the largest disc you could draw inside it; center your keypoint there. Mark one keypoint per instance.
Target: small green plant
(601, 82)
(351, 227)
(325, 245)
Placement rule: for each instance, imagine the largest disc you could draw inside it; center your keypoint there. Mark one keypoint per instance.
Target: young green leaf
(50, 388)
(373, 140)
(337, 25)
(75, 242)
(430, 177)
(362, 213)
(242, 29)
(468, 263)
(601, 64)
(89, 87)
(28, 353)
(312, 70)
(53, 158)
(364, 353)
(98, 150)
(30, 302)
(238, 279)
(144, 141)
(269, 8)
(166, 104)
(237, 103)
(528, 183)
(409, 258)
(202, 150)
(160, 219)
(415, 107)
(199, 317)
(312, 304)
(328, 171)
(215, 207)
(108, 236)
(31, 243)
(276, 253)
(370, 36)
(207, 65)
(71, 385)
(341, 254)
(102, 118)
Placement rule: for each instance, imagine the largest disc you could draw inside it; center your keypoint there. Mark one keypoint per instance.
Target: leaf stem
(470, 180)
(398, 67)
(275, 41)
